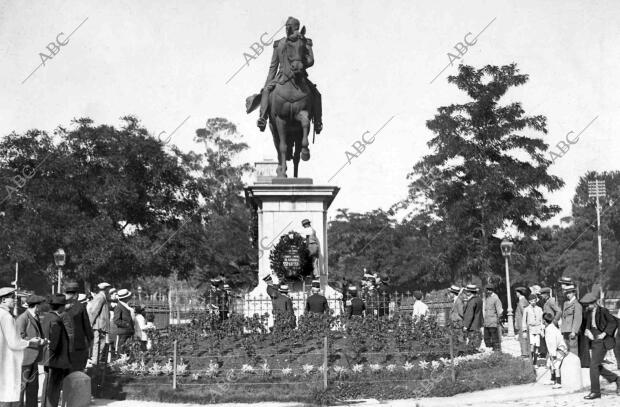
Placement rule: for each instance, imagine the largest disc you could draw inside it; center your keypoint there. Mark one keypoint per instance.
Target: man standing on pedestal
(312, 243)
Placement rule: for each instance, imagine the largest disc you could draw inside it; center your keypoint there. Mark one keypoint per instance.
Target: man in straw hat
(123, 318)
(281, 305)
(572, 314)
(316, 303)
(472, 316)
(99, 315)
(12, 347)
(599, 329)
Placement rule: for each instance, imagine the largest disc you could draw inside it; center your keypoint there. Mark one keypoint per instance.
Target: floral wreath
(276, 257)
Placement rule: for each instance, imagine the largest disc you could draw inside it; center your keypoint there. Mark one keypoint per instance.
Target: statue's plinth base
(280, 207)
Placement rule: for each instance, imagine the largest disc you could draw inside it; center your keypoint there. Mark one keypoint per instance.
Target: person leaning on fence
(572, 318)
(12, 348)
(532, 326)
(123, 319)
(29, 326)
(57, 360)
(492, 313)
(472, 316)
(599, 329)
(556, 349)
(357, 308)
(316, 303)
(522, 302)
(99, 316)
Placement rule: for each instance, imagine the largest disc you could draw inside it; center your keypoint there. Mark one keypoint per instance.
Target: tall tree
(487, 169)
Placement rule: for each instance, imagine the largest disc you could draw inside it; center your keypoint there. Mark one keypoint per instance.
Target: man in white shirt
(419, 308)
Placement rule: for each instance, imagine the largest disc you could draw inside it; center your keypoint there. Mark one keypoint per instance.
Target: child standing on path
(532, 326)
(556, 349)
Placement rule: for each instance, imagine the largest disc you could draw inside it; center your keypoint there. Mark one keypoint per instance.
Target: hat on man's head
(521, 290)
(305, 222)
(545, 290)
(589, 298)
(112, 290)
(103, 286)
(123, 293)
(58, 299)
(34, 300)
(82, 298)
(454, 289)
(268, 279)
(6, 291)
(226, 287)
(472, 288)
(316, 284)
(283, 288)
(535, 289)
(72, 287)
(566, 281)
(532, 297)
(353, 289)
(570, 288)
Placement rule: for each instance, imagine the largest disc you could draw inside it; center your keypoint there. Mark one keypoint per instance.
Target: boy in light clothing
(556, 349)
(532, 326)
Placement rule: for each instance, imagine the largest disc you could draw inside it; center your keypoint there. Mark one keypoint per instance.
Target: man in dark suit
(82, 331)
(472, 316)
(281, 304)
(316, 303)
(123, 319)
(29, 326)
(57, 361)
(599, 329)
(357, 307)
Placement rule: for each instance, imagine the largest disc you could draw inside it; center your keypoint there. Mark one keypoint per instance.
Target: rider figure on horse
(280, 59)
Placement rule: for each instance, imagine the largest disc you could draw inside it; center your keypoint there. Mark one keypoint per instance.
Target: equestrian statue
(289, 100)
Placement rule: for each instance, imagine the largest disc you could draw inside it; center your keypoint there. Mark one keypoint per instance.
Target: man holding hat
(12, 347)
(82, 331)
(316, 303)
(281, 304)
(123, 319)
(522, 303)
(599, 329)
(492, 313)
(572, 314)
(29, 326)
(58, 360)
(472, 316)
(99, 316)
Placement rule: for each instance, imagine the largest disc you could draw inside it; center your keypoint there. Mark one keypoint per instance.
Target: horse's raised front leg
(280, 125)
(304, 118)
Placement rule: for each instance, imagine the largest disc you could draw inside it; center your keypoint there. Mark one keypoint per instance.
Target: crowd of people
(63, 333)
(545, 329)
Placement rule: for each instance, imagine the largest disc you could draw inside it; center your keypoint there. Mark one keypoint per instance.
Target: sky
(171, 62)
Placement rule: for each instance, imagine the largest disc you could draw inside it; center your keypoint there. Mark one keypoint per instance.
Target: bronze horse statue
(291, 108)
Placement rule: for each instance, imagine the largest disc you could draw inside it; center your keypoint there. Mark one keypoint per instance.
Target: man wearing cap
(82, 331)
(357, 307)
(472, 316)
(12, 347)
(99, 316)
(572, 314)
(289, 316)
(599, 329)
(312, 242)
(316, 303)
(492, 313)
(123, 319)
(58, 360)
(29, 326)
(521, 304)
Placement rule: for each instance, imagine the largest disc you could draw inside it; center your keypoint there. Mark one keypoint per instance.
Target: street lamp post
(59, 259)
(506, 247)
(596, 189)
